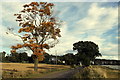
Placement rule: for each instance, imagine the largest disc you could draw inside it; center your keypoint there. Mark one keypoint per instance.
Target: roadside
(97, 71)
(63, 74)
(48, 74)
(58, 75)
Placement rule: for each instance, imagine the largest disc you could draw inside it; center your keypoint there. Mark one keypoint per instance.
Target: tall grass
(97, 72)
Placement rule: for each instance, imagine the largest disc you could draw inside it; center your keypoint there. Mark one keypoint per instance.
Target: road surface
(59, 75)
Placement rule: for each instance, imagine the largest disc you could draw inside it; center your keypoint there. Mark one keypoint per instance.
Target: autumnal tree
(39, 29)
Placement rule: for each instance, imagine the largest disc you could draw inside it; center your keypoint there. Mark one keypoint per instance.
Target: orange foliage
(41, 58)
(50, 4)
(28, 9)
(26, 29)
(25, 45)
(47, 24)
(47, 10)
(50, 23)
(25, 5)
(19, 46)
(58, 30)
(40, 50)
(19, 17)
(42, 2)
(13, 47)
(46, 46)
(37, 26)
(31, 40)
(41, 10)
(24, 38)
(26, 35)
(13, 51)
(34, 45)
(34, 8)
(41, 14)
(34, 3)
(20, 30)
(38, 54)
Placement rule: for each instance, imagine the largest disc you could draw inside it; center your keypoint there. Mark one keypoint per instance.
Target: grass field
(18, 70)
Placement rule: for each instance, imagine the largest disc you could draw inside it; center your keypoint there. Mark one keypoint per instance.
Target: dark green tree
(87, 51)
(47, 58)
(14, 57)
(23, 57)
(2, 56)
(69, 59)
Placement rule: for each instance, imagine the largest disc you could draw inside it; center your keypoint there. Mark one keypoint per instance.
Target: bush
(90, 72)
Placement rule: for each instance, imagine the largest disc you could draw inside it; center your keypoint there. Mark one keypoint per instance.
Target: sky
(82, 21)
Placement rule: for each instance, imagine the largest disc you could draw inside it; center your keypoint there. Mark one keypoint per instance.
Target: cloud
(65, 42)
(109, 57)
(117, 37)
(110, 49)
(89, 23)
(9, 38)
(17, 0)
(99, 19)
(8, 11)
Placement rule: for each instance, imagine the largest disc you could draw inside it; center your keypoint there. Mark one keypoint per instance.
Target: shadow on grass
(49, 67)
(41, 68)
(13, 70)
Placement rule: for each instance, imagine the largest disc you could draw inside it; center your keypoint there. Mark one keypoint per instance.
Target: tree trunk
(35, 64)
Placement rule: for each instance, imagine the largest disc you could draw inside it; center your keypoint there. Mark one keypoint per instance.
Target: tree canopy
(39, 29)
(39, 26)
(87, 51)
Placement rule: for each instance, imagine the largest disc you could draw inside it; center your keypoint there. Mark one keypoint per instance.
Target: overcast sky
(83, 21)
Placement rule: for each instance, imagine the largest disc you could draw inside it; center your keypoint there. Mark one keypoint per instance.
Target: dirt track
(59, 75)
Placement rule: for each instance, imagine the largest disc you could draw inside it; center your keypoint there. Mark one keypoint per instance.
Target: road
(59, 75)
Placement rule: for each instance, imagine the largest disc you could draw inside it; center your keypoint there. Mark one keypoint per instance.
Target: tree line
(87, 51)
(24, 58)
(20, 57)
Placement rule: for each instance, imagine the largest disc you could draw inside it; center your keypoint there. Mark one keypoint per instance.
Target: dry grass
(108, 72)
(97, 72)
(10, 70)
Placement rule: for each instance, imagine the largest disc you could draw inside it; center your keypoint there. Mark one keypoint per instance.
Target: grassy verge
(39, 74)
(97, 72)
(30, 73)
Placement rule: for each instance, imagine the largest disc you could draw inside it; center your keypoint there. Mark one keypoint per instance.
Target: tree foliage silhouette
(87, 51)
(39, 29)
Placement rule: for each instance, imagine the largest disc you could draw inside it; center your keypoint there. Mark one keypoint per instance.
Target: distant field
(11, 70)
